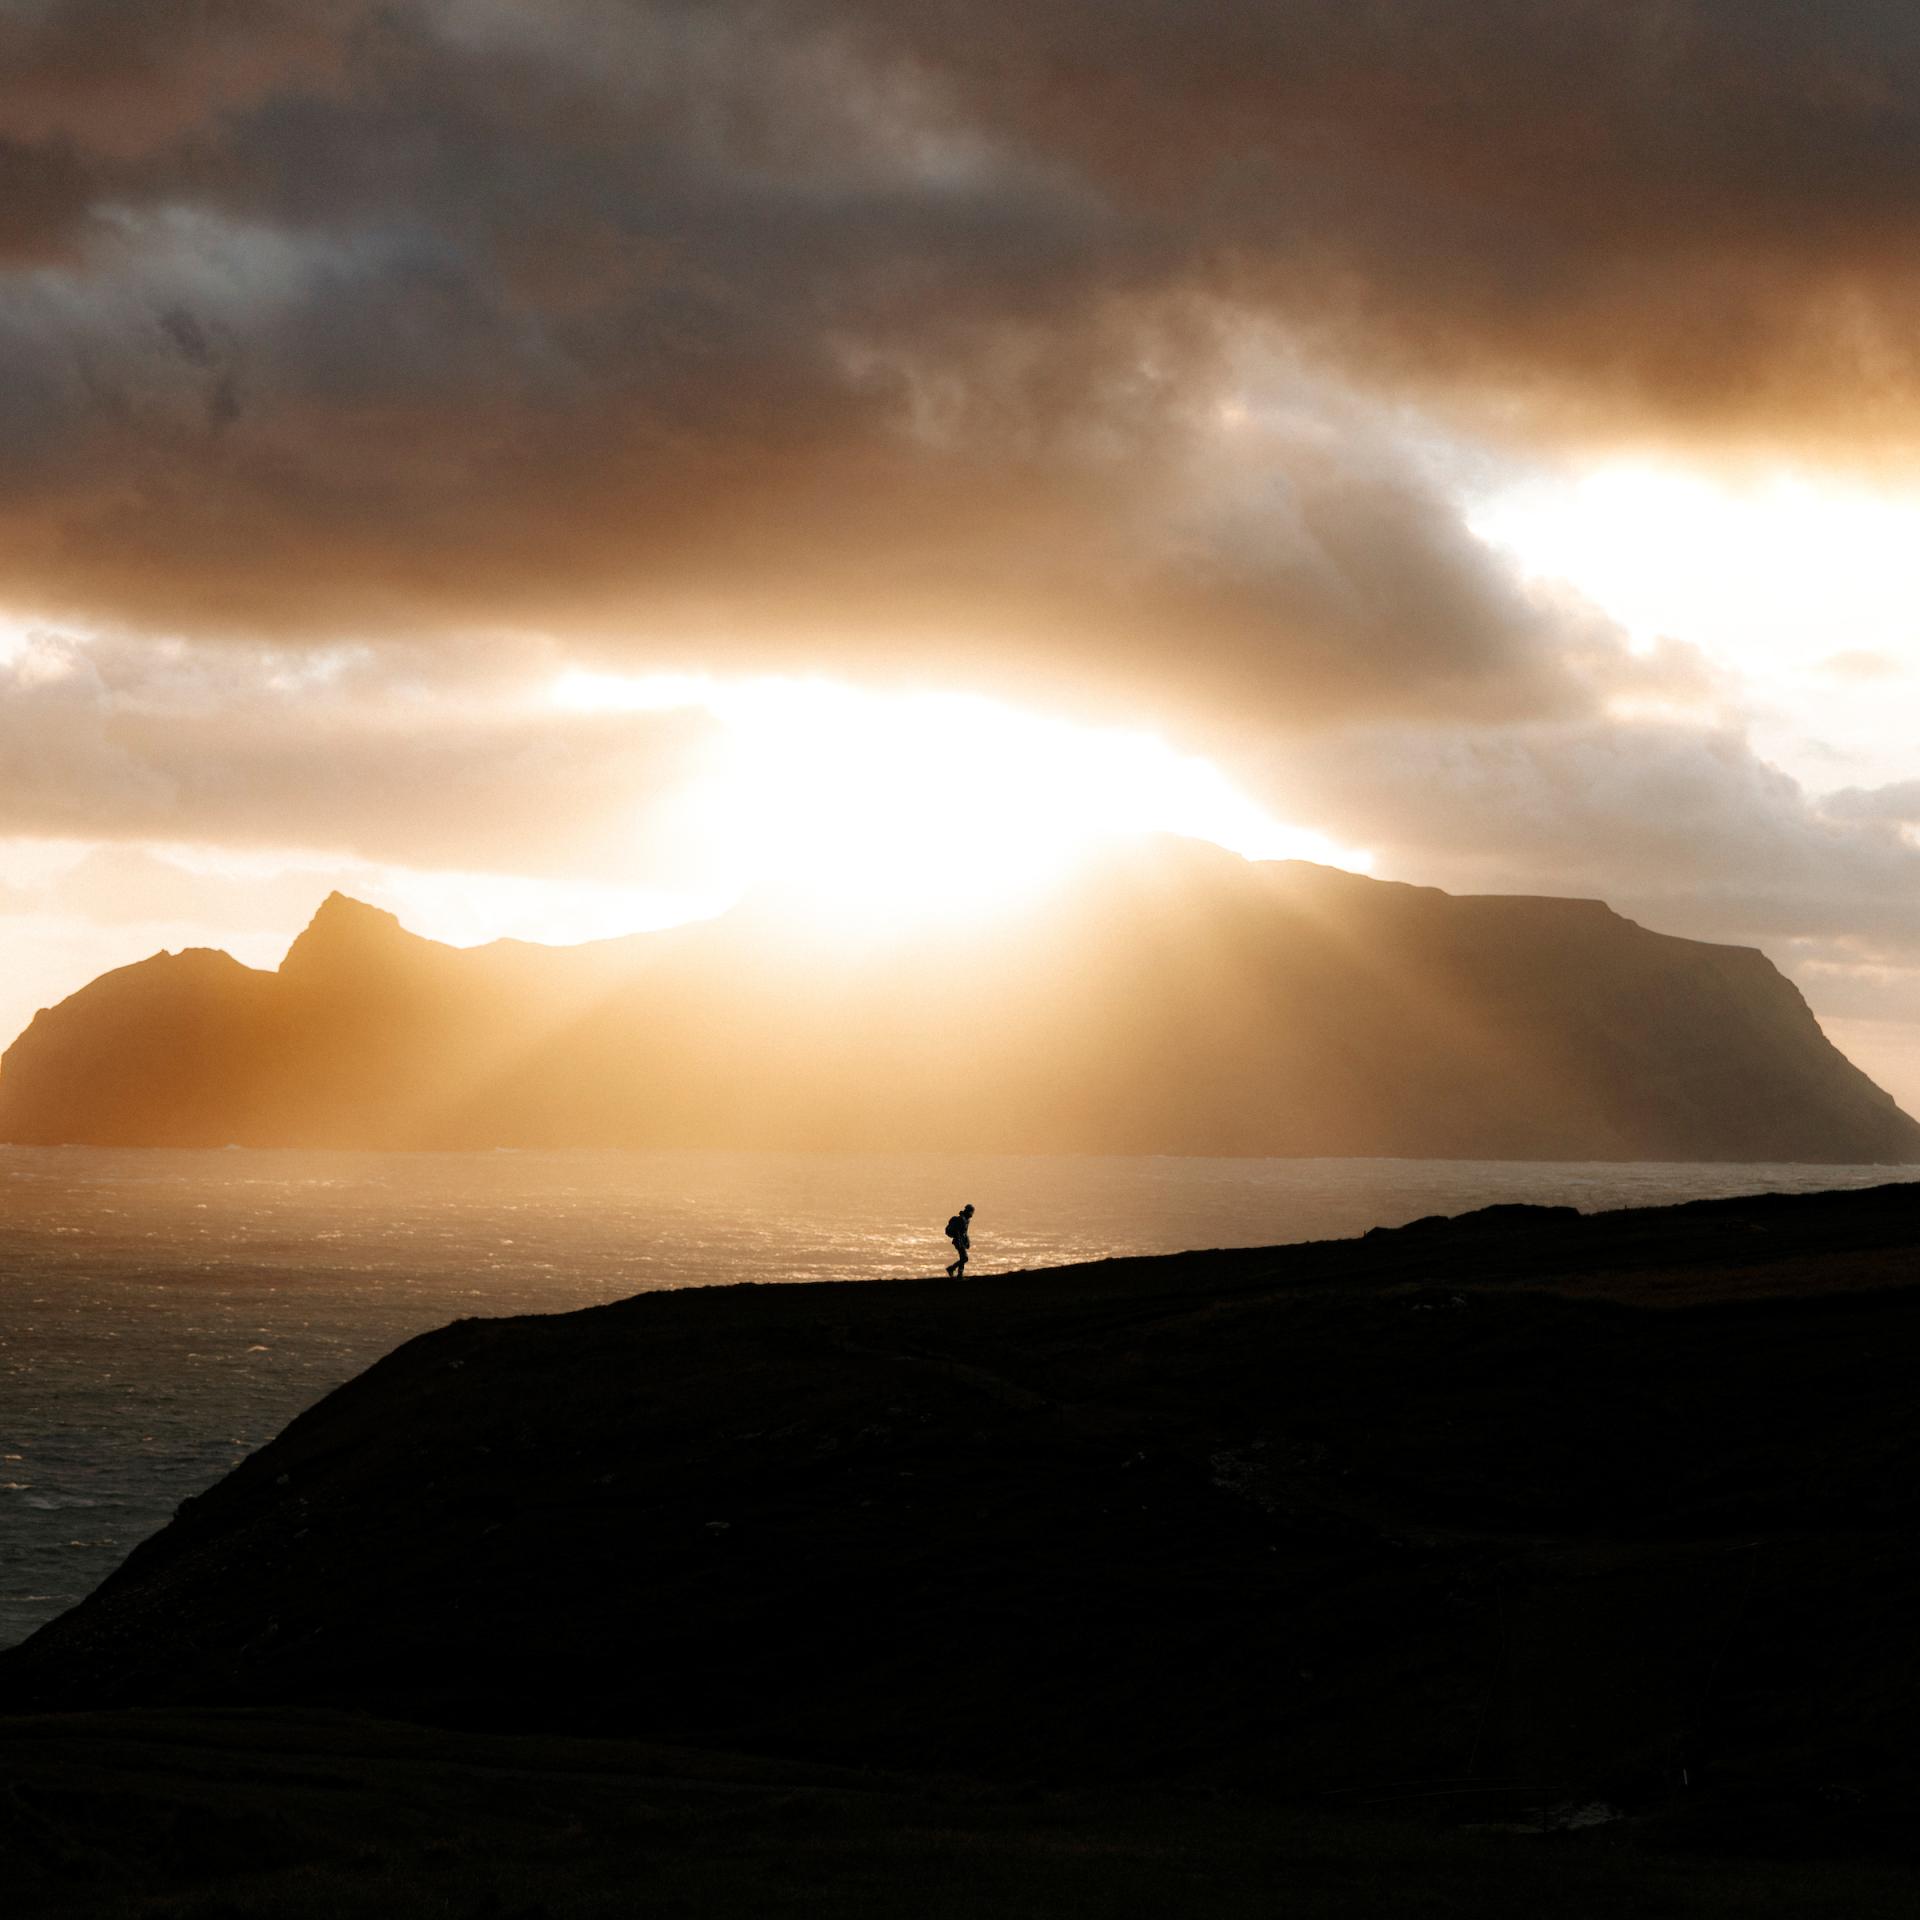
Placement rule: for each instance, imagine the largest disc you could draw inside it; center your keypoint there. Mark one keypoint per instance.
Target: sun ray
(870, 805)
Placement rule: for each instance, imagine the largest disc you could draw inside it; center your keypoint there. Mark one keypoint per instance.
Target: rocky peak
(346, 933)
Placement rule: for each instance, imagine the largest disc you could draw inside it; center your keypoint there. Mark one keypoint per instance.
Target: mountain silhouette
(1173, 999)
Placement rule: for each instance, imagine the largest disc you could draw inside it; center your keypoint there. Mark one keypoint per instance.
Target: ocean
(164, 1313)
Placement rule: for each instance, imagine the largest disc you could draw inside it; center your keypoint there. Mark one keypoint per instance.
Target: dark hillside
(1592, 1505)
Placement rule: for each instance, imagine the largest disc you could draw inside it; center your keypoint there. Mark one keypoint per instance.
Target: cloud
(1682, 826)
(44, 195)
(1669, 214)
(987, 343)
(379, 757)
(1899, 802)
(129, 82)
(1860, 665)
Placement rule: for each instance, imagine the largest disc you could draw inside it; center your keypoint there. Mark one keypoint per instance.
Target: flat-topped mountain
(1177, 999)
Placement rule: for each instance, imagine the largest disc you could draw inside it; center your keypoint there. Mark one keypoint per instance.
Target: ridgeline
(1175, 1000)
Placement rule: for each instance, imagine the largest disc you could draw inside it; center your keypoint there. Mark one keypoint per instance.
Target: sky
(549, 467)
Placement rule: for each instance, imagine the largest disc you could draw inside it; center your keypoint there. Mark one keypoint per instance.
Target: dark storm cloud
(44, 197)
(125, 80)
(1687, 213)
(900, 335)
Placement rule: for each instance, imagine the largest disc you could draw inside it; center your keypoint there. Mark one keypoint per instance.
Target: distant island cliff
(1176, 1000)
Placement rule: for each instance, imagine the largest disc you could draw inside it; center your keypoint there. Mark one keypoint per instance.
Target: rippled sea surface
(162, 1314)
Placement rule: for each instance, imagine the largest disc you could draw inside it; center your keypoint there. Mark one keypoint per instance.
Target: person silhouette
(958, 1229)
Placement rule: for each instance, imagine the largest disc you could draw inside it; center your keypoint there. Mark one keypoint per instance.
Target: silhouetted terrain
(1327, 1516)
(1178, 1000)
(1509, 1522)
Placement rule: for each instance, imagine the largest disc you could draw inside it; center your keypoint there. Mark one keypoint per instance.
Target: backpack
(956, 1227)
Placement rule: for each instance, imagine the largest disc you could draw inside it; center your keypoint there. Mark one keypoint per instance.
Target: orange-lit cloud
(763, 321)
(365, 363)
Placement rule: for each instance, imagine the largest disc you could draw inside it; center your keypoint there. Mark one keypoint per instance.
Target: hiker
(957, 1231)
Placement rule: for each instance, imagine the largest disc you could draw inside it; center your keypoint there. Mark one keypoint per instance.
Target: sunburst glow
(1783, 566)
(1800, 585)
(876, 805)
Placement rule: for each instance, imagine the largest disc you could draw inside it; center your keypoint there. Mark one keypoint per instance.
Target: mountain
(1175, 999)
(1526, 1507)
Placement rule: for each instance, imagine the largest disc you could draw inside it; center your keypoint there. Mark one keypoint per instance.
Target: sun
(864, 806)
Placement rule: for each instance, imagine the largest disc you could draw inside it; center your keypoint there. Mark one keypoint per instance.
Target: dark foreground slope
(1620, 1507)
(1355, 1576)
(1176, 1000)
